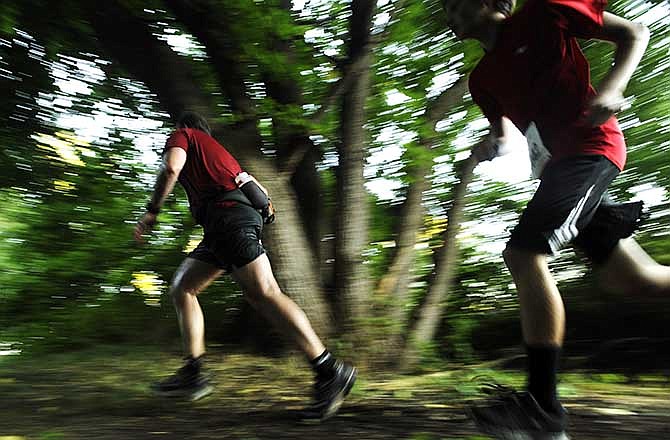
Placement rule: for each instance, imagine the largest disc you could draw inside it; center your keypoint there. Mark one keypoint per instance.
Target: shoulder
(178, 138)
(203, 138)
(576, 16)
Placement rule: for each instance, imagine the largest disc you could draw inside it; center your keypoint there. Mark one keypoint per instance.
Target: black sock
(542, 370)
(323, 365)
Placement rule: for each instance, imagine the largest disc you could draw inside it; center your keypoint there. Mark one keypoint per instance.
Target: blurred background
(355, 114)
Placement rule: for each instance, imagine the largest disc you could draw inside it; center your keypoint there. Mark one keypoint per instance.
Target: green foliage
(69, 198)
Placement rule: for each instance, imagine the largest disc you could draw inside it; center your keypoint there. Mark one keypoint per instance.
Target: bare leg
(631, 270)
(191, 278)
(263, 292)
(542, 311)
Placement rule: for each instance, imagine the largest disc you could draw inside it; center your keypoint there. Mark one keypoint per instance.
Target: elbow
(171, 172)
(641, 33)
(638, 34)
(631, 35)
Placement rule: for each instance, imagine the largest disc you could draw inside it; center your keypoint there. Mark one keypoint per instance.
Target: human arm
(257, 194)
(173, 162)
(494, 143)
(268, 212)
(631, 40)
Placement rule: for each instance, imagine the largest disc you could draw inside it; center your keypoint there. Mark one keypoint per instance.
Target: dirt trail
(105, 397)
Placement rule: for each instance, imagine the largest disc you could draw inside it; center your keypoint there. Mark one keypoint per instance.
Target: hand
(143, 226)
(485, 150)
(602, 107)
(269, 213)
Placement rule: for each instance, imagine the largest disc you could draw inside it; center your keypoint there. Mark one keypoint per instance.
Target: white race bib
(539, 154)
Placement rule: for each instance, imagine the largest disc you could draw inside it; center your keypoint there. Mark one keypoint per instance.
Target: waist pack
(236, 195)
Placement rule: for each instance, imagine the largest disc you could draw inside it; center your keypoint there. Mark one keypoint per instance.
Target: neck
(489, 31)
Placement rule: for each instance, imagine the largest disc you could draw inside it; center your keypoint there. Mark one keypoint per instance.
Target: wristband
(152, 209)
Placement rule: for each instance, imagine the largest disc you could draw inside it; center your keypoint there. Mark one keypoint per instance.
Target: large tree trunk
(290, 138)
(295, 266)
(446, 262)
(351, 276)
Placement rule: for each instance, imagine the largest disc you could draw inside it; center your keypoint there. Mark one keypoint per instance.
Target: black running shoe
(513, 415)
(187, 382)
(329, 393)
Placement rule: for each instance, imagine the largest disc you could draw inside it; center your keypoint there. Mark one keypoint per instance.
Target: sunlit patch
(150, 285)
(63, 186)
(613, 411)
(9, 349)
(67, 147)
(435, 226)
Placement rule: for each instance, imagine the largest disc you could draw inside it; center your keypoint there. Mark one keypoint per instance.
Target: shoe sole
(191, 395)
(502, 433)
(510, 434)
(335, 405)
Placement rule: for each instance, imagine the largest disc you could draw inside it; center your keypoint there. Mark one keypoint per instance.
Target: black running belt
(235, 195)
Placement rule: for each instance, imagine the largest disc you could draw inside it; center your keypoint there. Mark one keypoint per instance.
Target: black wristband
(153, 209)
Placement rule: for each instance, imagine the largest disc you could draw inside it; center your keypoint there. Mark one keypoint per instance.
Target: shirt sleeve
(177, 139)
(489, 106)
(580, 18)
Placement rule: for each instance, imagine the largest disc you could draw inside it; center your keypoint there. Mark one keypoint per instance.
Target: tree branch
(210, 26)
(129, 41)
(438, 107)
(350, 69)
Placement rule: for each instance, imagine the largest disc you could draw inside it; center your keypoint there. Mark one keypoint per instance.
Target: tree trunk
(395, 283)
(295, 265)
(446, 262)
(290, 137)
(351, 276)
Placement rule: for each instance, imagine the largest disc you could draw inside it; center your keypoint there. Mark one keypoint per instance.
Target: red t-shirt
(209, 169)
(537, 73)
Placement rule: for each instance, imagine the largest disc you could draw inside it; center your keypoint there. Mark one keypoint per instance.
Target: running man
(534, 74)
(232, 208)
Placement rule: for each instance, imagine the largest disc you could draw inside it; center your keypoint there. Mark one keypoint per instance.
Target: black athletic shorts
(571, 206)
(232, 236)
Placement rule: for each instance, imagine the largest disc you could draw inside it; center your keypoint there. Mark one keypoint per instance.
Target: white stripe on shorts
(568, 230)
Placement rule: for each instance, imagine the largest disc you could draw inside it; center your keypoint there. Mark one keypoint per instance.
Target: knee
(514, 258)
(520, 260)
(648, 281)
(262, 293)
(180, 294)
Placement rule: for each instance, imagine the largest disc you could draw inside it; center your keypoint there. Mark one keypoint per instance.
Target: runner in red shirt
(534, 74)
(232, 208)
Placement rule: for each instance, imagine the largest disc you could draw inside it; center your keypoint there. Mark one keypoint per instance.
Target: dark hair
(505, 7)
(193, 120)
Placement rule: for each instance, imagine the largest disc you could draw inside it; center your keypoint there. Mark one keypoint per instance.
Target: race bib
(539, 154)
